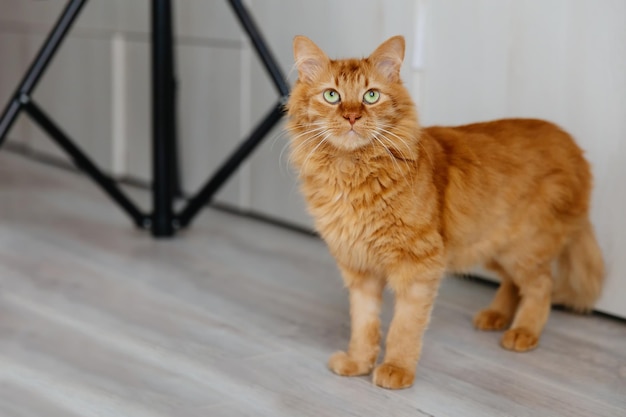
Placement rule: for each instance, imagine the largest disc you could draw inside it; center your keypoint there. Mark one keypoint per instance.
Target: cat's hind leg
(365, 300)
(535, 289)
(504, 304)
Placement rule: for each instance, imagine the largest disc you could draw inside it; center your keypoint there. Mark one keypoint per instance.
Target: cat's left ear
(388, 57)
(310, 59)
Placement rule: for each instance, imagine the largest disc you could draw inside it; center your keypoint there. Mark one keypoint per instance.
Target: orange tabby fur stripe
(399, 205)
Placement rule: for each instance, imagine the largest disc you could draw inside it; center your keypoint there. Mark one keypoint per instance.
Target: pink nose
(352, 117)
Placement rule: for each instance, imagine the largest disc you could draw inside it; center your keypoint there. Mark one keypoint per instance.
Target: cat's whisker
(316, 130)
(406, 161)
(289, 132)
(379, 138)
(407, 132)
(308, 140)
(403, 156)
(275, 138)
(308, 124)
(307, 132)
(312, 152)
(393, 158)
(281, 134)
(294, 150)
(402, 140)
(425, 152)
(325, 133)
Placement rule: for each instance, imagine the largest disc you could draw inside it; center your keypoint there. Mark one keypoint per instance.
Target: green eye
(331, 96)
(371, 96)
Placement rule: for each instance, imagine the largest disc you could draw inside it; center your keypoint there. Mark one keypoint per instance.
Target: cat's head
(351, 104)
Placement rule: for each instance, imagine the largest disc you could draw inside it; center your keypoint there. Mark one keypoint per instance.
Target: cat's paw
(343, 364)
(393, 377)
(519, 340)
(490, 320)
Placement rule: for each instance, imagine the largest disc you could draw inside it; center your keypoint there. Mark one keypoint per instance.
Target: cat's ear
(388, 57)
(310, 59)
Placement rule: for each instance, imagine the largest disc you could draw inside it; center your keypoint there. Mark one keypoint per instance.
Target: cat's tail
(580, 273)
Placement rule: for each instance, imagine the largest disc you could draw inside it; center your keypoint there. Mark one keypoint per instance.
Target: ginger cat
(399, 205)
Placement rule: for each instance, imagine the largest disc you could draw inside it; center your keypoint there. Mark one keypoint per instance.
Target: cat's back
(521, 143)
(511, 133)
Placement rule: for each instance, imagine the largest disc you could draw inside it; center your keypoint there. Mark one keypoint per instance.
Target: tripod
(163, 221)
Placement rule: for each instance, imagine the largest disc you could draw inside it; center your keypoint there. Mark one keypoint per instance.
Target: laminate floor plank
(20, 401)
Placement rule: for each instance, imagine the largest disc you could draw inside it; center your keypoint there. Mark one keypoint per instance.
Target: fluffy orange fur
(399, 205)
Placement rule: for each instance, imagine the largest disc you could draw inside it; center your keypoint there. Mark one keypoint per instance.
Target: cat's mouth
(350, 139)
(354, 131)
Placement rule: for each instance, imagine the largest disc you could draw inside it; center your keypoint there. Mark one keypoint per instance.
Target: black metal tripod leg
(39, 65)
(162, 118)
(227, 169)
(260, 46)
(8, 117)
(230, 165)
(83, 162)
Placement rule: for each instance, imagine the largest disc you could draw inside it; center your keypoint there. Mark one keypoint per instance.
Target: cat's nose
(352, 117)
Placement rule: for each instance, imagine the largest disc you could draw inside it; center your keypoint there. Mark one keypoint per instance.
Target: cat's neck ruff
(347, 170)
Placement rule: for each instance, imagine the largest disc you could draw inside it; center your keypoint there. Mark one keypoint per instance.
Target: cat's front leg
(415, 288)
(365, 299)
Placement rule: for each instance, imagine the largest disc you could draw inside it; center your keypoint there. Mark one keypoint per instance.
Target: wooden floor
(237, 318)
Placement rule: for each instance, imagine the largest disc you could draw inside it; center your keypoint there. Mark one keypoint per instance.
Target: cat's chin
(349, 141)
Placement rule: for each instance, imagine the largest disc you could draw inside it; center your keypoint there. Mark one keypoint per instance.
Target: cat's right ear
(310, 59)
